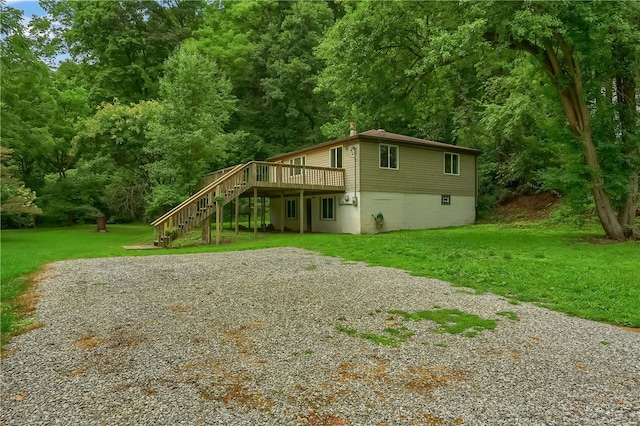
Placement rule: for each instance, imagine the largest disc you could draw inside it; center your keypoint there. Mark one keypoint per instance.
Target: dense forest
(118, 108)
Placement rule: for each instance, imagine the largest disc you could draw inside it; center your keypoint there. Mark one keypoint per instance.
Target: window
(298, 161)
(292, 209)
(336, 157)
(328, 208)
(388, 156)
(451, 164)
(445, 200)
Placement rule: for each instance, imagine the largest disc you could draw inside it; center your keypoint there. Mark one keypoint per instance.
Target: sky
(29, 7)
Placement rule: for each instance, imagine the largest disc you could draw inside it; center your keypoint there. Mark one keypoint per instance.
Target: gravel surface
(252, 338)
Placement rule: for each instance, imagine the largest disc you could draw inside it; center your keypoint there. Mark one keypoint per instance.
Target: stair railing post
(218, 202)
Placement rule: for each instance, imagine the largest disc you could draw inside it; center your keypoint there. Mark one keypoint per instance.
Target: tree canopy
(152, 94)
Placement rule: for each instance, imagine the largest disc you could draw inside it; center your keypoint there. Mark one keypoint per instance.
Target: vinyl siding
(420, 171)
(321, 158)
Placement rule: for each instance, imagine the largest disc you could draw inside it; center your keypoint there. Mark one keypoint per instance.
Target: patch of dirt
(633, 329)
(325, 419)
(526, 207)
(89, 341)
(243, 342)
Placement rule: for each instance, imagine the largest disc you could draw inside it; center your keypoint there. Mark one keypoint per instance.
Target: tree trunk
(606, 214)
(579, 119)
(627, 213)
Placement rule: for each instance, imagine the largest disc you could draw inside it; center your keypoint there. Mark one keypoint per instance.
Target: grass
(452, 321)
(554, 267)
(393, 336)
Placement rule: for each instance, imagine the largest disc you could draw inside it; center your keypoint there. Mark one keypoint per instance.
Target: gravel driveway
(254, 338)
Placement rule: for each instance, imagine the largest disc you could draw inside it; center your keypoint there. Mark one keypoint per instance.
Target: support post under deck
(237, 213)
(255, 212)
(205, 230)
(282, 208)
(302, 212)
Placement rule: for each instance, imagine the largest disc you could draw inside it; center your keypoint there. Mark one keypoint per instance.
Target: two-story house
(368, 182)
(392, 182)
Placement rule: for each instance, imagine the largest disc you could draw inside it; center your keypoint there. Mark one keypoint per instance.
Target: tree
(15, 198)
(123, 44)
(266, 48)
(186, 135)
(434, 57)
(26, 99)
(595, 83)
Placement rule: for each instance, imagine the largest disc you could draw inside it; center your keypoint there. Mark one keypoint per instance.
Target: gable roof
(381, 135)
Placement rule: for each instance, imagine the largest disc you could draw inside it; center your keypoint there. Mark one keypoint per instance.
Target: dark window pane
(393, 157)
(455, 169)
(384, 156)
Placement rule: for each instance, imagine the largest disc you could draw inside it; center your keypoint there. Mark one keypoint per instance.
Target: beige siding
(420, 171)
(346, 216)
(321, 158)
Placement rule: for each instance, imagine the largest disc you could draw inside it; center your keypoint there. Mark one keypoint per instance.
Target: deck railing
(278, 175)
(232, 182)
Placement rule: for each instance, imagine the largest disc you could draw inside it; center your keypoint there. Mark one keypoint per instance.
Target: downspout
(476, 183)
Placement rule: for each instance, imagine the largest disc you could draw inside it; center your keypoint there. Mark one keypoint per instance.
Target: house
(368, 182)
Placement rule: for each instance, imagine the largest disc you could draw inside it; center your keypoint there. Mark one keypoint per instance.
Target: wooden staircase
(201, 206)
(226, 185)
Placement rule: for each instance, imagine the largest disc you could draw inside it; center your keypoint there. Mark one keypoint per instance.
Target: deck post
(218, 209)
(255, 211)
(205, 230)
(263, 219)
(237, 213)
(301, 211)
(282, 208)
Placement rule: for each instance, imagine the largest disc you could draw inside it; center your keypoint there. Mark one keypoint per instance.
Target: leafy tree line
(157, 93)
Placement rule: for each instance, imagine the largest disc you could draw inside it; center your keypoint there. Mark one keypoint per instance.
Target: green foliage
(452, 321)
(17, 202)
(266, 49)
(74, 199)
(123, 45)
(186, 137)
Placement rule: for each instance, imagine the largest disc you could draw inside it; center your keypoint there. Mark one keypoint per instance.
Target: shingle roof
(394, 137)
(382, 135)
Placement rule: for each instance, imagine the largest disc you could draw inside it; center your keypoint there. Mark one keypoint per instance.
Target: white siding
(414, 211)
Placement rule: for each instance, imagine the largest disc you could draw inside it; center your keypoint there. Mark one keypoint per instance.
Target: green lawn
(556, 268)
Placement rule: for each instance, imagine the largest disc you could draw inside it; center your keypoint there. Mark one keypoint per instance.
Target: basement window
(445, 200)
(292, 209)
(451, 163)
(336, 157)
(328, 208)
(388, 156)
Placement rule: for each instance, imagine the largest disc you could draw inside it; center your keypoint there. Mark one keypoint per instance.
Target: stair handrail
(198, 194)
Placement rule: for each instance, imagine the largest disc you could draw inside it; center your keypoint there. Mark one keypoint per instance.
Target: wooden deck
(254, 179)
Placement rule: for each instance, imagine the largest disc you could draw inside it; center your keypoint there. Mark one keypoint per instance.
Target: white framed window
(298, 161)
(445, 200)
(451, 163)
(336, 157)
(292, 209)
(327, 208)
(388, 156)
